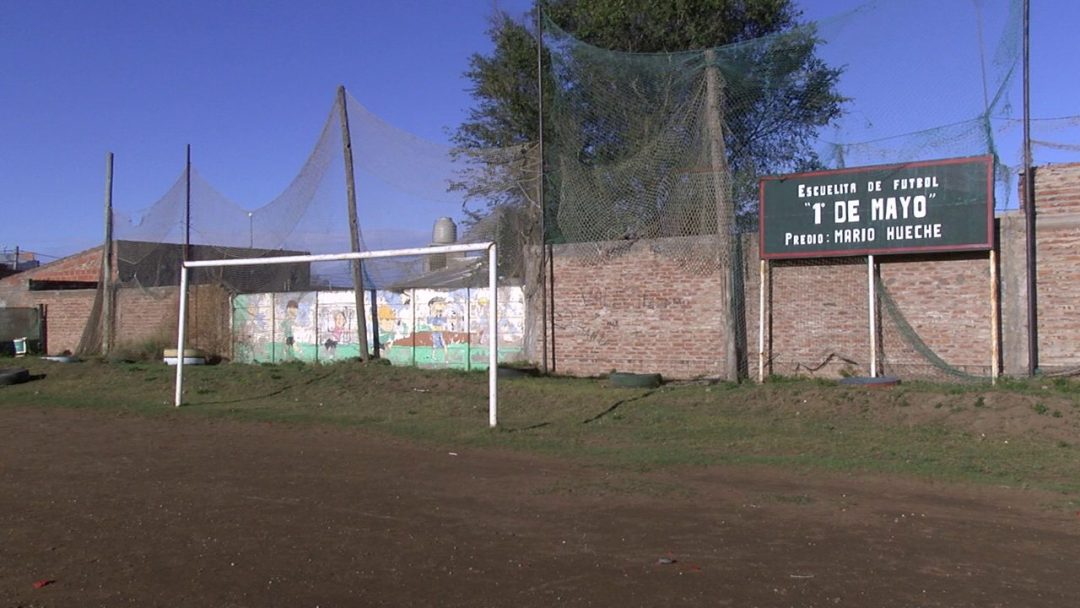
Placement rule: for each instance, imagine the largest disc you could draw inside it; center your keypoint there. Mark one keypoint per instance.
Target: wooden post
(540, 188)
(354, 228)
(376, 347)
(725, 212)
(995, 336)
(187, 205)
(107, 304)
(761, 319)
(871, 291)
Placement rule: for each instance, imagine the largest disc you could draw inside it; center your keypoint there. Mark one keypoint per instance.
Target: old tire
(13, 375)
(628, 380)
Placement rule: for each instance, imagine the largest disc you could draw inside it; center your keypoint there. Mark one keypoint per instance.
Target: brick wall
(147, 317)
(639, 311)
(817, 320)
(642, 311)
(1057, 253)
(84, 266)
(144, 316)
(945, 299)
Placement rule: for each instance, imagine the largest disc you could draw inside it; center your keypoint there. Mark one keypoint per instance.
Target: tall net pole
(725, 212)
(354, 228)
(540, 187)
(108, 307)
(1029, 206)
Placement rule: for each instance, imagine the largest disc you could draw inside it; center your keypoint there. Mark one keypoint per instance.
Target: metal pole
(251, 230)
(493, 338)
(872, 300)
(995, 339)
(181, 327)
(761, 320)
(354, 227)
(1029, 205)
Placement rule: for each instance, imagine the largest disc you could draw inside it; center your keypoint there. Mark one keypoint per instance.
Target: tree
(765, 98)
(779, 93)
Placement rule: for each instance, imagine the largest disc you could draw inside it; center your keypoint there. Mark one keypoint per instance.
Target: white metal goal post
(493, 324)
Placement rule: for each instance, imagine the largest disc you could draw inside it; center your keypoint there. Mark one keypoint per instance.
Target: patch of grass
(785, 422)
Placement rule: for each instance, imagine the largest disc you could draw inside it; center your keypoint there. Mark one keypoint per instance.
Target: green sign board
(941, 205)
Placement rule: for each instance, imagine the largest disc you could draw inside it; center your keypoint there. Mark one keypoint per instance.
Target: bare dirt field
(99, 509)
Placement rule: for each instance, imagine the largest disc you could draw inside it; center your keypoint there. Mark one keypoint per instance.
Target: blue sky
(249, 86)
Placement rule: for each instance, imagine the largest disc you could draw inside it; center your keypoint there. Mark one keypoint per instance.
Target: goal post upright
(493, 336)
(492, 329)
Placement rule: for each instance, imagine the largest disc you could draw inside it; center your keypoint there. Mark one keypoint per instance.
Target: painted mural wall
(420, 327)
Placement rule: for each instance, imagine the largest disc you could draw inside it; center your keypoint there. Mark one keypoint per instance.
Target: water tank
(445, 232)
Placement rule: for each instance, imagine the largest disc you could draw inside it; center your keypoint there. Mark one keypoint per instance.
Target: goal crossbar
(493, 325)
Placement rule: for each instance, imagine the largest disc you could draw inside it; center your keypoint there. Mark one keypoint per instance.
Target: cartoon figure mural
(396, 316)
(339, 332)
(423, 327)
(292, 310)
(337, 337)
(294, 336)
(437, 324)
(253, 334)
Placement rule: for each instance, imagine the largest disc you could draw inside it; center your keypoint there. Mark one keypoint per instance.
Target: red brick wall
(642, 311)
(1057, 189)
(66, 314)
(146, 316)
(1057, 235)
(84, 266)
(639, 311)
(818, 321)
(945, 299)
(142, 316)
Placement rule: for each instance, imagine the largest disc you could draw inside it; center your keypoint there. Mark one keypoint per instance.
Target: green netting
(666, 148)
(638, 151)
(670, 147)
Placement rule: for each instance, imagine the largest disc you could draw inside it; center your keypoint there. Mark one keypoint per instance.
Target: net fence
(410, 193)
(663, 148)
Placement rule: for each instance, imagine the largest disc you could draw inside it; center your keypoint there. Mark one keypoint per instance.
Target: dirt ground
(106, 510)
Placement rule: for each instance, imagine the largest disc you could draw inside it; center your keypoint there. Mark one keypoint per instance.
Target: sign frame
(984, 243)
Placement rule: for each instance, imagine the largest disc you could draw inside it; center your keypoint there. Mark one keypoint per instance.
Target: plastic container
(20, 347)
(191, 357)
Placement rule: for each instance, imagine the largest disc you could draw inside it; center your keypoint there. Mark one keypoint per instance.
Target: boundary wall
(641, 311)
